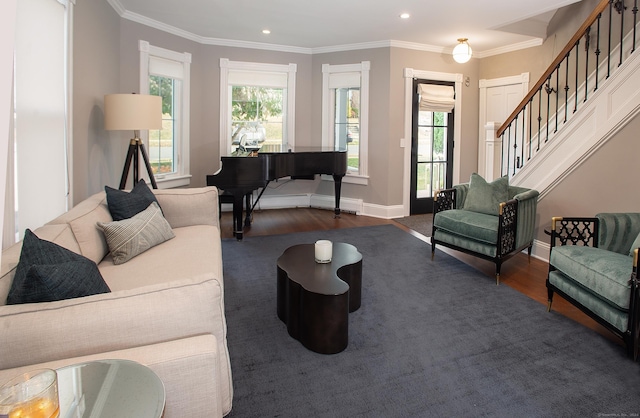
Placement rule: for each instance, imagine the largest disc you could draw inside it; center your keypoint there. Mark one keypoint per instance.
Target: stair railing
(577, 71)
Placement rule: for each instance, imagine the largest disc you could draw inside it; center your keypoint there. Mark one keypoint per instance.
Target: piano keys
(240, 176)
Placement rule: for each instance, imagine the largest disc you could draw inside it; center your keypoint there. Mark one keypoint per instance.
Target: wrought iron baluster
(598, 51)
(566, 87)
(549, 90)
(586, 62)
(502, 154)
(575, 107)
(531, 124)
(635, 21)
(609, 53)
(539, 114)
(557, 93)
(515, 152)
(621, 8)
(524, 109)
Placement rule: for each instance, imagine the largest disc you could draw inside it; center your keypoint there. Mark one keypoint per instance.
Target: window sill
(170, 182)
(349, 178)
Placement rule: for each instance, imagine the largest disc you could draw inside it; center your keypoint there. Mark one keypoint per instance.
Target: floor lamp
(133, 112)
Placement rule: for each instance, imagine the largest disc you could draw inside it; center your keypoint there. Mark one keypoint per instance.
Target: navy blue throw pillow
(47, 272)
(124, 205)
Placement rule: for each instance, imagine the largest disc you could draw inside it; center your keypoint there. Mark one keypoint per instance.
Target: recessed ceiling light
(266, 31)
(405, 16)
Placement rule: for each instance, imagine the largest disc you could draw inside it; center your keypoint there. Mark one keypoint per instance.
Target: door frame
(484, 84)
(425, 205)
(409, 75)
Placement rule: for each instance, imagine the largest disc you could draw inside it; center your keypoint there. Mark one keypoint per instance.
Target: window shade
(258, 79)
(436, 98)
(341, 80)
(166, 68)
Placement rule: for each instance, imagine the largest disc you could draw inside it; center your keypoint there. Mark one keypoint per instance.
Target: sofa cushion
(603, 272)
(129, 237)
(124, 205)
(48, 272)
(486, 197)
(473, 225)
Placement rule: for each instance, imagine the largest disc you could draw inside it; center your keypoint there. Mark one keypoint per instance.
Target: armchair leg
(549, 299)
(498, 265)
(529, 252)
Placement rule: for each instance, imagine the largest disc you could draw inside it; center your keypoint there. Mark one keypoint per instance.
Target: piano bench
(223, 197)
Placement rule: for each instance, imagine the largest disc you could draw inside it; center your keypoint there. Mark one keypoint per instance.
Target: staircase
(578, 104)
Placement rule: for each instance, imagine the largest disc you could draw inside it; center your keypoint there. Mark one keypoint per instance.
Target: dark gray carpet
(432, 339)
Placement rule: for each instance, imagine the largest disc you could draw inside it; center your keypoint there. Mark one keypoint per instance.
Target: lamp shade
(462, 52)
(132, 112)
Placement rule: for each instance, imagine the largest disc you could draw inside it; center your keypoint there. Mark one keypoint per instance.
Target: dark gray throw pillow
(124, 205)
(47, 272)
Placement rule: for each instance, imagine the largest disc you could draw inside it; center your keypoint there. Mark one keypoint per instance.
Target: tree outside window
(162, 144)
(257, 117)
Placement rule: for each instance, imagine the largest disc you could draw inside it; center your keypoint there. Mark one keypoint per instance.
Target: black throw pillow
(47, 272)
(124, 205)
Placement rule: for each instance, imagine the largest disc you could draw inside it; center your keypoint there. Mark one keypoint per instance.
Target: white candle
(324, 251)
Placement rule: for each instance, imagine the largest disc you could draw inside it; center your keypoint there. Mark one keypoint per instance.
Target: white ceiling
(492, 26)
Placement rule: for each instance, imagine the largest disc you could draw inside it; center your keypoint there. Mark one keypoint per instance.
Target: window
(165, 73)
(257, 118)
(345, 108)
(257, 103)
(38, 163)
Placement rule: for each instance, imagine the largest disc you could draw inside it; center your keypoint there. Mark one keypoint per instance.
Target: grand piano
(240, 176)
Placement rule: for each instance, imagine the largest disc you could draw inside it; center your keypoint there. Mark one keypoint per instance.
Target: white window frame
(334, 76)
(260, 70)
(182, 175)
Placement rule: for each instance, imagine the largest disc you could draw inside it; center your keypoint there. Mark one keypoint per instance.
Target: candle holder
(31, 394)
(323, 251)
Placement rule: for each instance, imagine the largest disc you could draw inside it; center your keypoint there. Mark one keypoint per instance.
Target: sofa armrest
(187, 207)
(527, 208)
(49, 331)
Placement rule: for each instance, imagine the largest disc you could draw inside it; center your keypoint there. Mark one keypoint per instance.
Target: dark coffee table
(314, 300)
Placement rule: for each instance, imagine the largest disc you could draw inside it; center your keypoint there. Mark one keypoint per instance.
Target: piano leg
(247, 220)
(237, 215)
(337, 182)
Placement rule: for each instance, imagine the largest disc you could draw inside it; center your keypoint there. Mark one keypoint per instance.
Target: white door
(498, 98)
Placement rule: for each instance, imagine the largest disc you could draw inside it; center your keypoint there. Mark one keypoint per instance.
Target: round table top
(110, 388)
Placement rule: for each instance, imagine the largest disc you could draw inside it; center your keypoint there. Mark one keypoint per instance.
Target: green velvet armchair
(593, 264)
(493, 221)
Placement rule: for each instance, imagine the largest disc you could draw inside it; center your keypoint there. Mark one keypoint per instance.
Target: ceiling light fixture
(266, 31)
(405, 16)
(462, 52)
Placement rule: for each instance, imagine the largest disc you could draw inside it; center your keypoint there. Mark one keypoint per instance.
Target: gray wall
(97, 157)
(106, 61)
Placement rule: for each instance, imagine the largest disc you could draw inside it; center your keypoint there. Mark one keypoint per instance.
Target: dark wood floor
(518, 273)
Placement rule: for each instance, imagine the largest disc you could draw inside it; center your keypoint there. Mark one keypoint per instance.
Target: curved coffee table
(314, 300)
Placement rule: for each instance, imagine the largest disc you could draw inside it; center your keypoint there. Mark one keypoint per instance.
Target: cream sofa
(165, 309)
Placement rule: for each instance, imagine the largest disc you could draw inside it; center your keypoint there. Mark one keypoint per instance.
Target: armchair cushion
(472, 225)
(486, 197)
(603, 272)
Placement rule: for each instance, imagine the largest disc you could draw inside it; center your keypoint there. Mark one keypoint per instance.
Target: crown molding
(509, 48)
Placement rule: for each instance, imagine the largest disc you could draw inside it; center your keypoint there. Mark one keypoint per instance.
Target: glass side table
(110, 388)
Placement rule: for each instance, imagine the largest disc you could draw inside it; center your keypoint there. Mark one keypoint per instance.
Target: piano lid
(281, 148)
